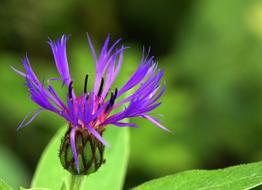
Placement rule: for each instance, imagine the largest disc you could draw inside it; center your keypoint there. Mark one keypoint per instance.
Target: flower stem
(76, 182)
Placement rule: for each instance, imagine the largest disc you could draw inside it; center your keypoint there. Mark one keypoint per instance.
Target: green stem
(76, 182)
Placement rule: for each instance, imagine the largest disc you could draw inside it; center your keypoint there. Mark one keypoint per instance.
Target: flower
(92, 111)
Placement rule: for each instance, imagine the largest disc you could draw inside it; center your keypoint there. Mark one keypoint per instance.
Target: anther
(110, 102)
(107, 107)
(70, 89)
(111, 98)
(114, 97)
(101, 87)
(85, 86)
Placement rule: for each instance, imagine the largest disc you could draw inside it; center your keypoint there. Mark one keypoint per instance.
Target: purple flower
(92, 110)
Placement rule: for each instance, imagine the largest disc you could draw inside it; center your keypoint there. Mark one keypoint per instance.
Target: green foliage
(49, 168)
(218, 64)
(21, 188)
(12, 169)
(240, 177)
(50, 173)
(4, 186)
(214, 73)
(213, 96)
(112, 174)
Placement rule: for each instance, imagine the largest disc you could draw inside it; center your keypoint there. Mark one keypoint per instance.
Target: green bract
(90, 153)
(51, 174)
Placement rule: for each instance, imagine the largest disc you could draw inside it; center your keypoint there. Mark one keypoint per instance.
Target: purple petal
(60, 56)
(122, 124)
(19, 72)
(154, 121)
(40, 96)
(97, 135)
(105, 46)
(38, 93)
(159, 94)
(73, 147)
(23, 124)
(92, 48)
(58, 101)
(113, 46)
(144, 99)
(112, 71)
(106, 61)
(137, 77)
(71, 111)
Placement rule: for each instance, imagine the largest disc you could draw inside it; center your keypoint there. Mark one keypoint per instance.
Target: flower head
(92, 111)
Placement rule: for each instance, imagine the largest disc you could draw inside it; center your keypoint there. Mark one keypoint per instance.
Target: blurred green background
(211, 51)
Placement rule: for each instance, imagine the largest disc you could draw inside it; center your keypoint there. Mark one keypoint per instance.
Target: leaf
(10, 162)
(50, 173)
(12, 169)
(21, 188)
(4, 185)
(240, 177)
(112, 174)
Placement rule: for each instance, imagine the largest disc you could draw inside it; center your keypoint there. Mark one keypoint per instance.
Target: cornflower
(89, 113)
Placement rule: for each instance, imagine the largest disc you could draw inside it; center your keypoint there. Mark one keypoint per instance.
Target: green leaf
(50, 173)
(4, 185)
(10, 162)
(240, 177)
(21, 188)
(112, 174)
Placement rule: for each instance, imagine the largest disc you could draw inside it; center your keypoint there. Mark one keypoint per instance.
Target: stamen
(116, 91)
(107, 107)
(101, 87)
(85, 86)
(114, 97)
(70, 90)
(111, 100)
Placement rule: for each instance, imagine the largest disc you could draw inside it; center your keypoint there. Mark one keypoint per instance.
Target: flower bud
(89, 151)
